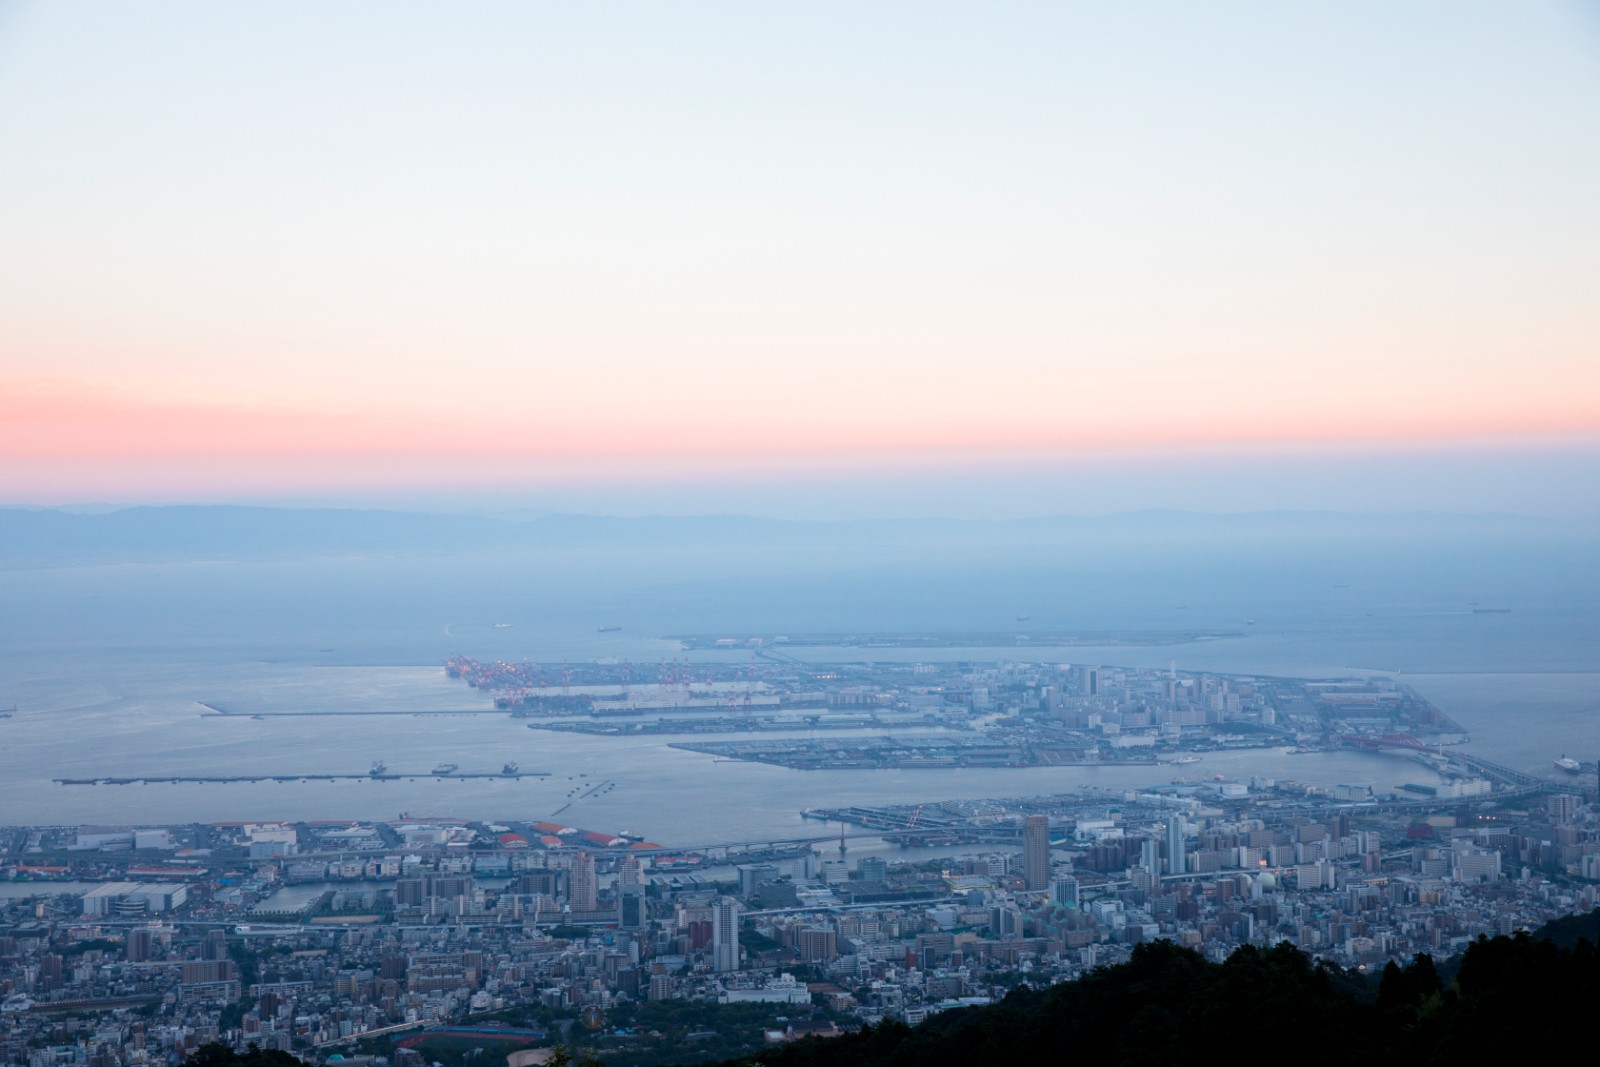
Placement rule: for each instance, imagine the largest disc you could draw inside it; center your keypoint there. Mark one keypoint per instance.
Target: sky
(822, 260)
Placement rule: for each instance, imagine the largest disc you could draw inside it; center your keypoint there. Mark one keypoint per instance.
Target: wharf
(224, 779)
(215, 712)
(755, 724)
(903, 753)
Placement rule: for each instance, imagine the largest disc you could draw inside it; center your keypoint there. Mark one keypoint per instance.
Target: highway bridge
(1512, 781)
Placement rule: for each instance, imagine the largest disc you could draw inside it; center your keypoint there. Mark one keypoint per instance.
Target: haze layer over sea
(110, 643)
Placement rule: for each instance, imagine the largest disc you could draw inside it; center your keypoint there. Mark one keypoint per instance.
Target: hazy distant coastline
(186, 533)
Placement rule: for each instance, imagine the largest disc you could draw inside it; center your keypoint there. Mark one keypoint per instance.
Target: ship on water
(378, 767)
(509, 768)
(608, 629)
(446, 768)
(1568, 764)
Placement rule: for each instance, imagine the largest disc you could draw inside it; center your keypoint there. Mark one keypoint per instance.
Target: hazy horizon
(1523, 481)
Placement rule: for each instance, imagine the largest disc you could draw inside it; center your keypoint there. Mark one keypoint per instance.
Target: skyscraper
(631, 909)
(582, 890)
(140, 944)
(725, 935)
(1036, 852)
(215, 946)
(1089, 681)
(1175, 857)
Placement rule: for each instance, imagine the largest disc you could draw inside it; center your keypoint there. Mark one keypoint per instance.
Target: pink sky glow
(248, 252)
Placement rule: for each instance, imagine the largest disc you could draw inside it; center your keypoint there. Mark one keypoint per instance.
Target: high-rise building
(1005, 921)
(872, 868)
(216, 945)
(1064, 891)
(1089, 681)
(725, 935)
(631, 912)
(583, 893)
(141, 944)
(1175, 857)
(817, 943)
(1036, 852)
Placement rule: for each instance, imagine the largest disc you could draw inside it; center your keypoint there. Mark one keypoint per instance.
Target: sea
(111, 669)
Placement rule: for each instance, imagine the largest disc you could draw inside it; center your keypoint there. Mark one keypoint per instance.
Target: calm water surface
(108, 667)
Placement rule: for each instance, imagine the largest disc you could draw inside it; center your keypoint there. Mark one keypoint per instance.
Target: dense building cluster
(304, 937)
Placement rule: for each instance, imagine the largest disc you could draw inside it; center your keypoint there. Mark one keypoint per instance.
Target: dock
(214, 711)
(225, 779)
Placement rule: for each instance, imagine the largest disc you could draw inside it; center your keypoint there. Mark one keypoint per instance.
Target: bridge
(1513, 782)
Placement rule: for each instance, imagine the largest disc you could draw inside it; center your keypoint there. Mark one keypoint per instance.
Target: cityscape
(873, 534)
(129, 945)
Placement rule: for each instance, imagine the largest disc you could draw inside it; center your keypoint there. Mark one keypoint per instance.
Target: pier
(225, 779)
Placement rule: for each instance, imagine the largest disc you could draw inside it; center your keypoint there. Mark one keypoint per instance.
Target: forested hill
(1509, 1000)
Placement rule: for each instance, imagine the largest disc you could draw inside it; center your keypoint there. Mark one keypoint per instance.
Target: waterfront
(125, 656)
(667, 794)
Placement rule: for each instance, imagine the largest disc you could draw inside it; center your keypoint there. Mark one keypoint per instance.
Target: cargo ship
(446, 768)
(1568, 764)
(608, 629)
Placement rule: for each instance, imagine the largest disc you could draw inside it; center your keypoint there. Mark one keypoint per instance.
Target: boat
(509, 768)
(1568, 764)
(1187, 759)
(378, 767)
(502, 626)
(446, 768)
(608, 629)
(1024, 618)
(1491, 611)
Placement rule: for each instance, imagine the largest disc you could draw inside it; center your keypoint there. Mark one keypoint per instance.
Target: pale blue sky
(527, 236)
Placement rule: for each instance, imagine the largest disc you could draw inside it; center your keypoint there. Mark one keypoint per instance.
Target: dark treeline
(1513, 997)
(1506, 999)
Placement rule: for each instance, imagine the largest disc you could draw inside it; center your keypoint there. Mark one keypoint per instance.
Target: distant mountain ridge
(45, 537)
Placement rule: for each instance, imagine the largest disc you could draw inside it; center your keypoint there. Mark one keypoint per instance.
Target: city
(135, 945)
(869, 534)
